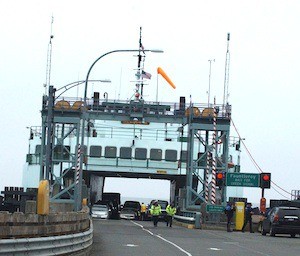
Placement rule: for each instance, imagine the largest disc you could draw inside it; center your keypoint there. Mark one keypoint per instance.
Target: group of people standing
(155, 212)
(229, 211)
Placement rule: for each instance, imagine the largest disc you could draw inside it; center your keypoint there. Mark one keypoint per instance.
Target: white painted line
(178, 247)
(162, 238)
(142, 227)
(237, 244)
(214, 249)
(131, 245)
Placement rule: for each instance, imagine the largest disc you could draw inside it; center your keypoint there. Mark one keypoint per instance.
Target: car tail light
(276, 218)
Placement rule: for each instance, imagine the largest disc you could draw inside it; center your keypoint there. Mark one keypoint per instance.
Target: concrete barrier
(18, 224)
(79, 244)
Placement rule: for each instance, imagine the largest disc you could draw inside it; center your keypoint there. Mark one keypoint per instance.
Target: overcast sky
(263, 77)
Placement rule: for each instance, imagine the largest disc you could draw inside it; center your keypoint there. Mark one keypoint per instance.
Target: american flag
(142, 48)
(146, 75)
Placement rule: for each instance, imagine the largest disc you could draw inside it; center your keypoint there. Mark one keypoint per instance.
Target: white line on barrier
(162, 238)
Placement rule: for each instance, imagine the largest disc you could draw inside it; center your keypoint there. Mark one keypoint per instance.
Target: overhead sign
(214, 208)
(134, 122)
(242, 179)
(161, 171)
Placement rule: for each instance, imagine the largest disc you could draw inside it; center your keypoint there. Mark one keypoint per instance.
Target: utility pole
(49, 56)
(226, 79)
(209, 77)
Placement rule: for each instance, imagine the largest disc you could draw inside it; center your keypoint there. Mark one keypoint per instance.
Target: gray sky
(264, 67)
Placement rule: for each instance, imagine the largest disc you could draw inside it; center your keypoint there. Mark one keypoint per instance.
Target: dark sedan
(282, 220)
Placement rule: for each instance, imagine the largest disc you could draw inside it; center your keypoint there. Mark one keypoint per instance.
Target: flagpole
(139, 67)
(156, 87)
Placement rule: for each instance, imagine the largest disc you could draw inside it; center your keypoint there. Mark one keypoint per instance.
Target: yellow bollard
(43, 198)
(84, 202)
(239, 215)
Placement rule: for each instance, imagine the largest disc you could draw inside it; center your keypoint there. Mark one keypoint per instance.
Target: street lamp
(48, 135)
(77, 83)
(78, 196)
(88, 73)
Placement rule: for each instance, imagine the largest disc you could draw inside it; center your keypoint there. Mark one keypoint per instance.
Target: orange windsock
(164, 75)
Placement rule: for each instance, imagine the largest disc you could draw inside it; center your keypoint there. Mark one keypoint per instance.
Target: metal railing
(54, 245)
(187, 217)
(149, 107)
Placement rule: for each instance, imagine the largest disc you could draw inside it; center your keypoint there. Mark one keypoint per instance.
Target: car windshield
(99, 207)
(290, 211)
(163, 204)
(129, 204)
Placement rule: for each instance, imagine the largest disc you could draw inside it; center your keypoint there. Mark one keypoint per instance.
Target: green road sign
(214, 208)
(242, 179)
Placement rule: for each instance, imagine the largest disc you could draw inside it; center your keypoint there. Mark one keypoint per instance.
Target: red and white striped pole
(78, 165)
(206, 175)
(214, 142)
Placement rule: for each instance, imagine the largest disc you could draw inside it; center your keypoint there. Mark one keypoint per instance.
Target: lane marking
(131, 245)
(214, 249)
(162, 238)
(177, 246)
(237, 244)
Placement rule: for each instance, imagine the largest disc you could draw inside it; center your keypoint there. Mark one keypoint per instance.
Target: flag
(142, 48)
(146, 75)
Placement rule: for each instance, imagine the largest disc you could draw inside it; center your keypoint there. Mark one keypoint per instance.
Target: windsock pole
(157, 88)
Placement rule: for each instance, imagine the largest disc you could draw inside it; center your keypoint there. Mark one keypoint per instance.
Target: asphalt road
(124, 237)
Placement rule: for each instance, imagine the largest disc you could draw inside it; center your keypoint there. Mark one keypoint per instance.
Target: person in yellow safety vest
(171, 210)
(143, 211)
(155, 212)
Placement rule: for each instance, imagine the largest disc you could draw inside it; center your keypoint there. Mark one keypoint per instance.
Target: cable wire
(256, 164)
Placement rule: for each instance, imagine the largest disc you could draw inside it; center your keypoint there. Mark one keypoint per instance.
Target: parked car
(282, 220)
(113, 200)
(163, 204)
(101, 211)
(131, 210)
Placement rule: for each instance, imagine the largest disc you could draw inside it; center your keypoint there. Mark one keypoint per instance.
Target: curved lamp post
(88, 73)
(77, 83)
(78, 196)
(44, 174)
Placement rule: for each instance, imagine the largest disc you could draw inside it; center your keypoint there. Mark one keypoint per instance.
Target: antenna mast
(137, 94)
(208, 92)
(226, 79)
(49, 55)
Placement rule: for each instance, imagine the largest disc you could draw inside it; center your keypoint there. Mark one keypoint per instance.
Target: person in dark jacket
(229, 210)
(248, 217)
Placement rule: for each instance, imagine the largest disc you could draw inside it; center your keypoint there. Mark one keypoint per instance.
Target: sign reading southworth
(213, 208)
(242, 179)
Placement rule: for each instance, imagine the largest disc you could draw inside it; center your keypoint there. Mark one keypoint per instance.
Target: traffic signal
(220, 179)
(265, 180)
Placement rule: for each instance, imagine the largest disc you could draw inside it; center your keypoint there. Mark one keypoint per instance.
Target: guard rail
(193, 218)
(79, 243)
